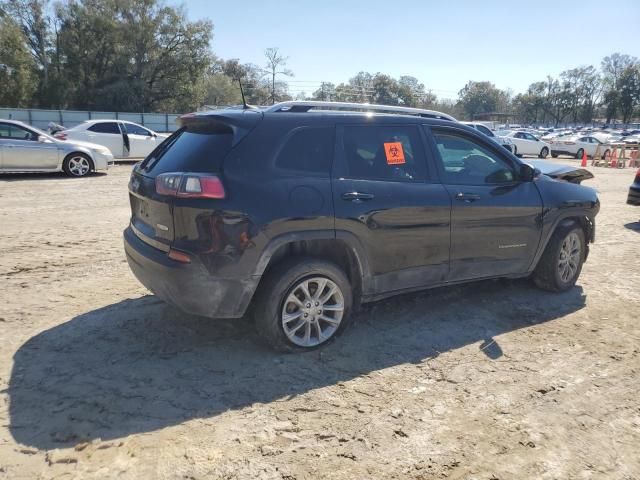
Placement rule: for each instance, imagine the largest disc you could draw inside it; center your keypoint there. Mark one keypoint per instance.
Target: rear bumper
(189, 287)
(634, 195)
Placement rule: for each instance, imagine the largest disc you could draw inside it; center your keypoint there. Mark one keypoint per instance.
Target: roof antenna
(244, 102)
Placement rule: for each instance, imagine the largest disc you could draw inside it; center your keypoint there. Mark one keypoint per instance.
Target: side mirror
(528, 173)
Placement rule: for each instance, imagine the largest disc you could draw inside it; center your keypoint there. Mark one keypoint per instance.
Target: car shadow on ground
(635, 226)
(21, 177)
(139, 365)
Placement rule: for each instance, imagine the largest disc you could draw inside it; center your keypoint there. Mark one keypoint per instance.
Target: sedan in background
(526, 144)
(26, 149)
(126, 140)
(576, 145)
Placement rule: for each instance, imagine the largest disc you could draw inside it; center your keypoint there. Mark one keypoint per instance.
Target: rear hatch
(199, 146)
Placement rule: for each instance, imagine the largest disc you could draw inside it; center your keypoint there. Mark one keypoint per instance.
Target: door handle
(467, 197)
(357, 196)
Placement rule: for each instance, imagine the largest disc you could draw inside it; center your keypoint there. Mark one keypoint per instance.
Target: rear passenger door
(107, 134)
(495, 218)
(385, 196)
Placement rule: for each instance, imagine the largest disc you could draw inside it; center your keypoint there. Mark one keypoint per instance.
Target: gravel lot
(493, 380)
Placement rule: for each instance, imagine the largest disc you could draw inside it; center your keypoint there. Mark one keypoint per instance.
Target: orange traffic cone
(614, 158)
(584, 158)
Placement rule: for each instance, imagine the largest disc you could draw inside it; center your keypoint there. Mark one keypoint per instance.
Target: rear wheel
(544, 153)
(77, 165)
(606, 155)
(515, 150)
(579, 153)
(562, 260)
(302, 304)
(554, 155)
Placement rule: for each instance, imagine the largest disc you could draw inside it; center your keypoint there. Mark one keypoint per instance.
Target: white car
(526, 144)
(503, 141)
(576, 145)
(26, 149)
(126, 140)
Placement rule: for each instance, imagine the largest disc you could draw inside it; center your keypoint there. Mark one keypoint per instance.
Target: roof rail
(306, 106)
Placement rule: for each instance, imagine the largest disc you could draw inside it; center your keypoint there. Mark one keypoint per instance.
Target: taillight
(190, 185)
(61, 136)
(637, 180)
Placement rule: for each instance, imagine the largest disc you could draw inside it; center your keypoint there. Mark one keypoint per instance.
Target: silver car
(26, 149)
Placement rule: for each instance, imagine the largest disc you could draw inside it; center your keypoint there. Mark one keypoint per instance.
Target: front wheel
(302, 304)
(561, 262)
(77, 165)
(544, 153)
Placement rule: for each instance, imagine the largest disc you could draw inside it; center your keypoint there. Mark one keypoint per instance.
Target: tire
(544, 153)
(551, 269)
(274, 300)
(515, 150)
(606, 154)
(579, 154)
(77, 165)
(554, 155)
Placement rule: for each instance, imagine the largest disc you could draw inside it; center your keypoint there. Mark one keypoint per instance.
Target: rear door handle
(357, 196)
(467, 197)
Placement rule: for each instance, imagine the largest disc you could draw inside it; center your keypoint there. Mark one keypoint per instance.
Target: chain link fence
(159, 122)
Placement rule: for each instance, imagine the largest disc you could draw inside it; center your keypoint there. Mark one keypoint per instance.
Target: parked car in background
(634, 191)
(303, 212)
(632, 139)
(501, 140)
(576, 145)
(126, 140)
(527, 144)
(27, 149)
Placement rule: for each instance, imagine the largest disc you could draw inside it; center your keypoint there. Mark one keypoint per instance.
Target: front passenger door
(495, 217)
(385, 197)
(22, 150)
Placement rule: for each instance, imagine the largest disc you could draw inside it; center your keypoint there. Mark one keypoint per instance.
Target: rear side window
(392, 153)
(308, 149)
(105, 127)
(194, 148)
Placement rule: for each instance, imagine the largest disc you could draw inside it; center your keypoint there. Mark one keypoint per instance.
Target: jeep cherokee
(301, 211)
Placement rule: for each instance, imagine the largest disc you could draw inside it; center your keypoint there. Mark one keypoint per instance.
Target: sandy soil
(494, 380)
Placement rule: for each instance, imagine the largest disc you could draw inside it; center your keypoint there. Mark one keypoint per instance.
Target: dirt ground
(493, 380)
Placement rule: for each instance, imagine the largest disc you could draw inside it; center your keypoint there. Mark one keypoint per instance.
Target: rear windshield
(194, 148)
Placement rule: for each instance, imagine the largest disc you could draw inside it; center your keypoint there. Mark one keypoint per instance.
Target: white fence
(159, 122)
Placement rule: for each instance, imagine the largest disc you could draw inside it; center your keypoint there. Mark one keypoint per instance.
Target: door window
(463, 161)
(520, 135)
(16, 133)
(528, 136)
(105, 127)
(134, 129)
(391, 153)
(308, 150)
(485, 130)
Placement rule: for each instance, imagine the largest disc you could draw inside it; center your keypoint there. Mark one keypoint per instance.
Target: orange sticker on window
(394, 153)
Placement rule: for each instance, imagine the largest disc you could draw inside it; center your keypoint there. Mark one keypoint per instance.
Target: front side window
(105, 127)
(308, 149)
(134, 129)
(15, 132)
(466, 162)
(391, 153)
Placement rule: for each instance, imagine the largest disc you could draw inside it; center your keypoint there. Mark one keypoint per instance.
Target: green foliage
(17, 69)
(482, 97)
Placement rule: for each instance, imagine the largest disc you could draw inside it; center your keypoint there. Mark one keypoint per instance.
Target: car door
(495, 217)
(22, 150)
(107, 134)
(385, 197)
(141, 141)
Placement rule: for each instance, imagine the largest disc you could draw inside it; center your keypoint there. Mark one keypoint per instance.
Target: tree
(629, 91)
(276, 66)
(482, 97)
(17, 67)
(613, 67)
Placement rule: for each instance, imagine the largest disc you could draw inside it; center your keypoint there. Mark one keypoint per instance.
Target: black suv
(302, 211)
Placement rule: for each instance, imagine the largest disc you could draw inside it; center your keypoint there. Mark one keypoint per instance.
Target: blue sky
(442, 43)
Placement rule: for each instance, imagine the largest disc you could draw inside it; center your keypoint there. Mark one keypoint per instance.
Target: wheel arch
(341, 248)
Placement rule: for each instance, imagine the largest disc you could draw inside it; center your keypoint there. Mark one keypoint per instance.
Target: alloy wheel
(569, 259)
